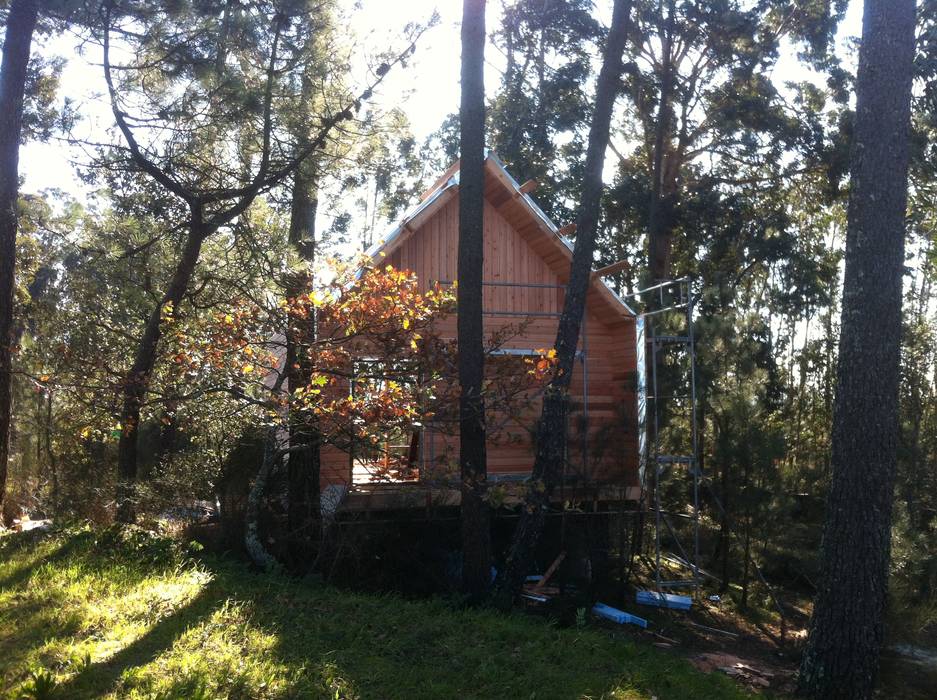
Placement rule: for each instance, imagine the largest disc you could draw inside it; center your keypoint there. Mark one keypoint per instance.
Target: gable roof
(521, 212)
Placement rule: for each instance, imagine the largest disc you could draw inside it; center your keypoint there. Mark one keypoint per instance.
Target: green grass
(121, 614)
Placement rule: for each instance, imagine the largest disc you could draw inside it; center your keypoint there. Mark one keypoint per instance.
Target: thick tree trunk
(663, 186)
(476, 529)
(303, 467)
(846, 631)
(552, 428)
(21, 21)
(137, 380)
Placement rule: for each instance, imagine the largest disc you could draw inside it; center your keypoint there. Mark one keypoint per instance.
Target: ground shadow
(383, 646)
(104, 676)
(13, 544)
(326, 642)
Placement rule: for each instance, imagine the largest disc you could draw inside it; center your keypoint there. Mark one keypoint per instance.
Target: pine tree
(540, 116)
(553, 428)
(212, 184)
(847, 627)
(21, 21)
(476, 529)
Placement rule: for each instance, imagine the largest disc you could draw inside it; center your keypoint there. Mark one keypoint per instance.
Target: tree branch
(136, 153)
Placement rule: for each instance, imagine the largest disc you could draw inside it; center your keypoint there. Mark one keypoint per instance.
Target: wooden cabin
(526, 265)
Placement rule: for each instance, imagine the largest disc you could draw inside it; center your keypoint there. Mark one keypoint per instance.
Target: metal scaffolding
(673, 301)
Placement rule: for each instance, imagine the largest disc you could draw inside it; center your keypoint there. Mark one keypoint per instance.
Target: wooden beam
(619, 266)
(549, 572)
(567, 229)
(450, 171)
(529, 186)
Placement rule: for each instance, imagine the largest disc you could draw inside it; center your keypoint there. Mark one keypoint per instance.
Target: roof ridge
(450, 179)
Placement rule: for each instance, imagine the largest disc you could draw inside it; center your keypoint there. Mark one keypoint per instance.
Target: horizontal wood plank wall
(526, 318)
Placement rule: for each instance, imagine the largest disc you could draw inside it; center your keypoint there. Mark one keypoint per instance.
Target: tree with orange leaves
(377, 317)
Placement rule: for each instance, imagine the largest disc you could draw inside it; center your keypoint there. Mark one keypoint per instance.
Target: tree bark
(137, 380)
(846, 631)
(303, 511)
(21, 21)
(476, 529)
(552, 427)
(663, 188)
(253, 542)
(48, 426)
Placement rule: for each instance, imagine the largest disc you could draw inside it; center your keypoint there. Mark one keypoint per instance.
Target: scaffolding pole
(659, 468)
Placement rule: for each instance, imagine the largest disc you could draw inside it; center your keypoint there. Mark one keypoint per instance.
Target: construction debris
(535, 587)
(616, 615)
(25, 525)
(742, 670)
(712, 629)
(664, 600)
(549, 572)
(535, 597)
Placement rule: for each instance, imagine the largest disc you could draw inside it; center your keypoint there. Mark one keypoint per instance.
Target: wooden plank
(449, 240)
(450, 171)
(550, 571)
(619, 266)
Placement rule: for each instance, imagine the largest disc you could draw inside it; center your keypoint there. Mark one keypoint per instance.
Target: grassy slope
(123, 615)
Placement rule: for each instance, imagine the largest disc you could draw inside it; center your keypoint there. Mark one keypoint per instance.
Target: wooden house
(526, 265)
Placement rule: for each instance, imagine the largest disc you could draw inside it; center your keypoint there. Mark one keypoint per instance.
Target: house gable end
(418, 241)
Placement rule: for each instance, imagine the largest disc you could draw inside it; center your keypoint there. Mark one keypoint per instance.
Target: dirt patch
(753, 674)
(716, 637)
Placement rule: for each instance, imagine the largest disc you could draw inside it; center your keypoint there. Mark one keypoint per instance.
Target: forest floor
(748, 643)
(122, 614)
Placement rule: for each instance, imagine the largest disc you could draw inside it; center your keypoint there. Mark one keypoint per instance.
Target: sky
(427, 89)
(429, 85)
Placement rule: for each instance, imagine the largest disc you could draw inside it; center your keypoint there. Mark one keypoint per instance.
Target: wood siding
(606, 452)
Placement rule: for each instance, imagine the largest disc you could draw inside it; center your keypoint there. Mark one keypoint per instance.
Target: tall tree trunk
(725, 522)
(49, 426)
(552, 428)
(846, 631)
(660, 220)
(137, 380)
(663, 185)
(746, 458)
(21, 21)
(916, 411)
(303, 511)
(476, 529)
